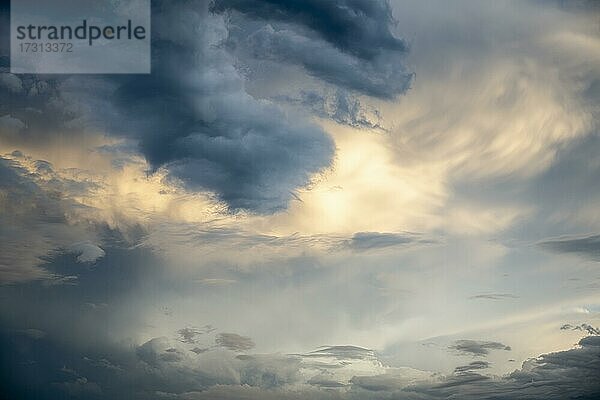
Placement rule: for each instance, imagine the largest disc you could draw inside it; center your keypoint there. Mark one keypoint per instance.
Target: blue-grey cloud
(233, 341)
(340, 107)
(472, 366)
(191, 116)
(494, 296)
(359, 27)
(477, 347)
(346, 43)
(376, 240)
(586, 246)
(589, 329)
(159, 368)
(38, 218)
(343, 353)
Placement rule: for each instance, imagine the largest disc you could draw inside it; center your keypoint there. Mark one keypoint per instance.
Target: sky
(351, 199)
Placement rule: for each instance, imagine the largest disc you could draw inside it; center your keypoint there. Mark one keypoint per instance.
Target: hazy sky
(306, 199)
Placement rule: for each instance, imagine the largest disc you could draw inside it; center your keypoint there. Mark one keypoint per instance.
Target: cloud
(340, 107)
(590, 330)
(32, 108)
(189, 334)
(343, 353)
(39, 217)
(161, 369)
(586, 246)
(376, 240)
(234, 342)
(358, 27)
(191, 117)
(81, 387)
(493, 296)
(477, 348)
(472, 366)
(86, 252)
(346, 43)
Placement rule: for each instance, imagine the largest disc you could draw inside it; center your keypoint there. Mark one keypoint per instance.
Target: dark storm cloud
(477, 348)
(586, 246)
(191, 116)
(359, 27)
(346, 43)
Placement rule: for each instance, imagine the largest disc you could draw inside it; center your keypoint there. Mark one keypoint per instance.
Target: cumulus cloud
(477, 348)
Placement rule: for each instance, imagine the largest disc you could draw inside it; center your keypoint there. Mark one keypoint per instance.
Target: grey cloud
(160, 370)
(103, 363)
(569, 374)
(472, 366)
(81, 387)
(157, 351)
(229, 392)
(477, 348)
(586, 246)
(377, 240)
(346, 43)
(86, 252)
(32, 108)
(190, 334)
(268, 371)
(358, 27)
(383, 77)
(343, 353)
(323, 382)
(340, 107)
(191, 116)
(494, 296)
(233, 341)
(582, 327)
(38, 218)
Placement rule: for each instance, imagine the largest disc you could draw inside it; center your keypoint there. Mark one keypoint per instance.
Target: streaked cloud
(477, 347)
